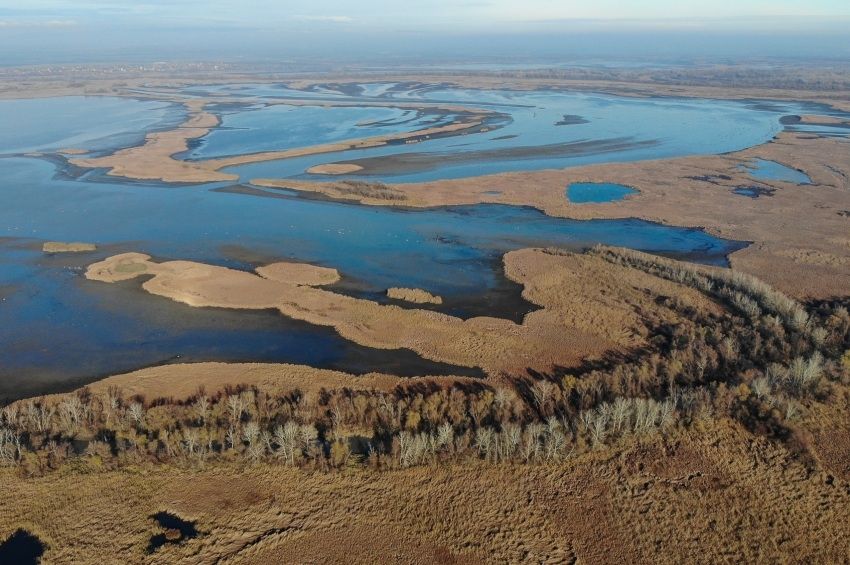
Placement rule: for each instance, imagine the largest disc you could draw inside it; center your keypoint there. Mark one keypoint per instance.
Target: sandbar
(70, 247)
(334, 169)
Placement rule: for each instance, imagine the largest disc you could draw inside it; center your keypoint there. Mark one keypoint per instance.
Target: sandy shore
(588, 307)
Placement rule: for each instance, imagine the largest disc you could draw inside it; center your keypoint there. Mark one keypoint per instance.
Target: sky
(33, 29)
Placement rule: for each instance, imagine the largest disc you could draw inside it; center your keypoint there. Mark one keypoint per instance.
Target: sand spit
(823, 120)
(793, 230)
(464, 124)
(414, 295)
(154, 159)
(73, 247)
(334, 169)
(589, 307)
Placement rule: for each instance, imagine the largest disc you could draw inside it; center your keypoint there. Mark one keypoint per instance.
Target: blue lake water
(527, 135)
(595, 192)
(75, 122)
(277, 127)
(765, 170)
(58, 328)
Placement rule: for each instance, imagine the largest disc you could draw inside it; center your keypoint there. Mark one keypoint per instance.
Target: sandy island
(823, 120)
(414, 295)
(334, 169)
(589, 307)
(72, 247)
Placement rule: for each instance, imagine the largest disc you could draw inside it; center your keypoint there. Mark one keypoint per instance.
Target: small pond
(596, 192)
(764, 170)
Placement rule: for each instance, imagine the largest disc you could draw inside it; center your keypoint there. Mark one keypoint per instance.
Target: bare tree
(445, 435)
(137, 413)
(287, 438)
(235, 407)
(202, 406)
(10, 447)
(542, 392)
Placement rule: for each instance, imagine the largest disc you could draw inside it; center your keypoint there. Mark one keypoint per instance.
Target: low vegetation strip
(373, 190)
(747, 293)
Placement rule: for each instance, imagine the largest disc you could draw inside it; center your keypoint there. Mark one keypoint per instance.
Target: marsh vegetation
(765, 361)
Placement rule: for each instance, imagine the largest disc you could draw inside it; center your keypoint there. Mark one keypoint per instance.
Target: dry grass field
(719, 494)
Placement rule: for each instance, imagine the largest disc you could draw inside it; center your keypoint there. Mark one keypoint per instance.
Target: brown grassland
(718, 494)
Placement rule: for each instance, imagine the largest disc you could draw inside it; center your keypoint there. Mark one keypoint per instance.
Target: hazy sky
(405, 14)
(48, 30)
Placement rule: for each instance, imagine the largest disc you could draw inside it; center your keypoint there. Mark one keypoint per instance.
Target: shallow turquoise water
(765, 170)
(587, 192)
